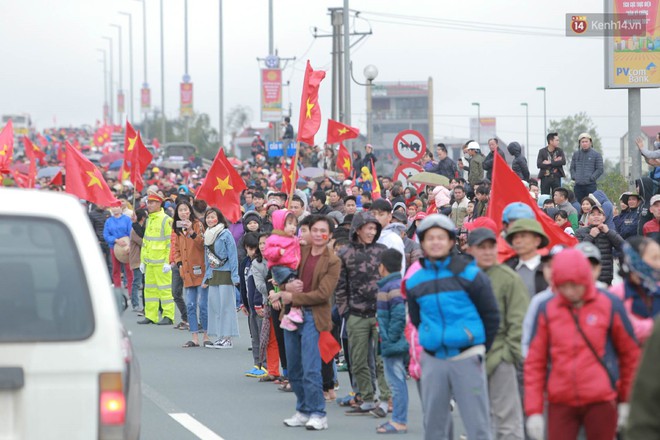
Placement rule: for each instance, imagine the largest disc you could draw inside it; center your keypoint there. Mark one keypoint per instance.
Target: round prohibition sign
(409, 146)
(405, 171)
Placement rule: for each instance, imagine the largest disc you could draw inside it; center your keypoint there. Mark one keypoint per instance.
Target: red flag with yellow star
(6, 147)
(338, 132)
(375, 186)
(140, 160)
(102, 135)
(130, 138)
(222, 188)
(85, 181)
(344, 161)
(33, 152)
(289, 178)
(310, 112)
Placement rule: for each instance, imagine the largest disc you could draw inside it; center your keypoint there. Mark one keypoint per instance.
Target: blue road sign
(275, 149)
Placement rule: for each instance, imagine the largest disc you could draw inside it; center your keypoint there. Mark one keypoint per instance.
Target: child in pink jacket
(283, 255)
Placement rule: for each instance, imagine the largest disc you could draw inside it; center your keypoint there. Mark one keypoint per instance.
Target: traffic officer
(154, 263)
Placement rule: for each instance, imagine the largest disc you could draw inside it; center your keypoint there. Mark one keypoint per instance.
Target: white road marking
(194, 426)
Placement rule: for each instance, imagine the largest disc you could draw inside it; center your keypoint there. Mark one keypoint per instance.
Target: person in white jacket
(382, 210)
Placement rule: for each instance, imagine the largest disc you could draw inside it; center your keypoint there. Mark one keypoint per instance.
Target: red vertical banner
(145, 98)
(271, 95)
(186, 99)
(120, 102)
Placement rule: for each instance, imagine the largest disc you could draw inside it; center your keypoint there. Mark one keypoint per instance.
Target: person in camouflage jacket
(356, 300)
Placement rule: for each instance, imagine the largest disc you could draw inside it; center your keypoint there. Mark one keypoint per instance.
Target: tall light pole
(347, 66)
(130, 58)
(186, 76)
(524, 104)
(478, 105)
(162, 76)
(145, 84)
(221, 125)
(545, 120)
(121, 86)
(105, 84)
(112, 106)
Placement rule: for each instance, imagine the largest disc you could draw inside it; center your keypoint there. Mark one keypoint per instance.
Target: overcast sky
(51, 66)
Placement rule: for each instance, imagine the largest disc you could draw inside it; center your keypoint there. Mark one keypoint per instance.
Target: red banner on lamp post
(145, 98)
(120, 102)
(271, 95)
(186, 99)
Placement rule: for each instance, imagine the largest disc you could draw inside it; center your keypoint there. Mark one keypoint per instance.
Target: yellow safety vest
(157, 238)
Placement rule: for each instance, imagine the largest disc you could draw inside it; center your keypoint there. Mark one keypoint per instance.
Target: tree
(612, 182)
(570, 128)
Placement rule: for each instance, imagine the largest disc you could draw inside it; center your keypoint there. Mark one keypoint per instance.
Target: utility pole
(112, 90)
(221, 125)
(105, 85)
(186, 77)
(130, 58)
(162, 78)
(121, 74)
(634, 129)
(347, 64)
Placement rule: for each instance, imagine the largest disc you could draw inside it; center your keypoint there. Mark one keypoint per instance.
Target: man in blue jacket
(451, 302)
(586, 167)
(117, 226)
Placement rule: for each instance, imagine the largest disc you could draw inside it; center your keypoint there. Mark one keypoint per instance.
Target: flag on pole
(33, 152)
(222, 188)
(6, 147)
(338, 132)
(85, 181)
(310, 112)
(140, 160)
(344, 161)
(375, 188)
(130, 138)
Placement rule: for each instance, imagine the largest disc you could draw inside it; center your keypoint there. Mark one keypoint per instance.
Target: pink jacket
(643, 327)
(415, 350)
(278, 241)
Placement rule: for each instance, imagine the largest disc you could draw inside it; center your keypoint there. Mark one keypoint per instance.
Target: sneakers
(165, 321)
(317, 423)
(298, 419)
(221, 343)
(256, 372)
(295, 315)
(287, 324)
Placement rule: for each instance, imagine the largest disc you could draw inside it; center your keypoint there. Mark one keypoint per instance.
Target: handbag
(593, 351)
(214, 260)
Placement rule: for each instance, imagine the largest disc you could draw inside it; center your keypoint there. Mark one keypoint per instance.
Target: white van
(67, 369)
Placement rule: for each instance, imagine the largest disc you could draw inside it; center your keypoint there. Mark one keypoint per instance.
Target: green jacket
(476, 171)
(644, 421)
(512, 301)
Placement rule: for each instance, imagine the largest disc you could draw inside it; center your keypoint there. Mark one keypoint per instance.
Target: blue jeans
(136, 288)
(197, 295)
(304, 365)
(395, 373)
(281, 274)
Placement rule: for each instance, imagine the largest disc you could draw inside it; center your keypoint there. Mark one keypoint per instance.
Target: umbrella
(312, 172)
(235, 162)
(427, 178)
(110, 157)
(22, 168)
(116, 164)
(48, 172)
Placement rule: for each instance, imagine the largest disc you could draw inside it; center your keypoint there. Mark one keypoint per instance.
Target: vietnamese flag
(508, 188)
(310, 112)
(43, 142)
(21, 180)
(6, 147)
(338, 132)
(57, 179)
(33, 152)
(85, 181)
(130, 138)
(344, 160)
(222, 188)
(289, 179)
(61, 153)
(140, 160)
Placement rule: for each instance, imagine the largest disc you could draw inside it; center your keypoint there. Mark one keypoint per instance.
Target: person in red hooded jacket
(582, 340)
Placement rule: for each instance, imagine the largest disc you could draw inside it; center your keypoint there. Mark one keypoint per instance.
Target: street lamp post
(186, 76)
(162, 76)
(145, 84)
(478, 105)
(524, 104)
(121, 87)
(130, 58)
(221, 127)
(112, 106)
(545, 120)
(370, 73)
(105, 84)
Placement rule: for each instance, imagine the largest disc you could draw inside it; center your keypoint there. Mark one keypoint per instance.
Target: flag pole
(294, 168)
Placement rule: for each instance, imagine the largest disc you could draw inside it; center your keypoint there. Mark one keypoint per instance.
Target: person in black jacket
(519, 164)
(605, 239)
(98, 216)
(369, 158)
(445, 166)
(550, 161)
(489, 161)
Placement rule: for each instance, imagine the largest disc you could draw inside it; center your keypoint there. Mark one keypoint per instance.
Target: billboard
(633, 61)
(271, 95)
(145, 98)
(186, 108)
(483, 130)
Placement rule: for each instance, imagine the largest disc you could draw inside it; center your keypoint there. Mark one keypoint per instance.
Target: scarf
(211, 234)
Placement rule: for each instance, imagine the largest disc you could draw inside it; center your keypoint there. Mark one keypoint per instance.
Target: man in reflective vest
(155, 265)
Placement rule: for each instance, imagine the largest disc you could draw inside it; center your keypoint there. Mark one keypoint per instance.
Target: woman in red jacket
(581, 339)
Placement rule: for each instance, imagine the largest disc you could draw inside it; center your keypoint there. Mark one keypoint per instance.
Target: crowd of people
(527, 339)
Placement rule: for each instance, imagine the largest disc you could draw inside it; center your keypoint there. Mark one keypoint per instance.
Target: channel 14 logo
(604, 25)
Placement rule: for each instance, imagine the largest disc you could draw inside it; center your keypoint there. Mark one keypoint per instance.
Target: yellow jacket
(156, 241)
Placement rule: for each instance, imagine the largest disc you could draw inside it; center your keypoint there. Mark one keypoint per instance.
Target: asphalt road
(191, 393)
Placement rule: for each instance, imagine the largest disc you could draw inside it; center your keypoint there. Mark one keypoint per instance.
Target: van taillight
(112, 402)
